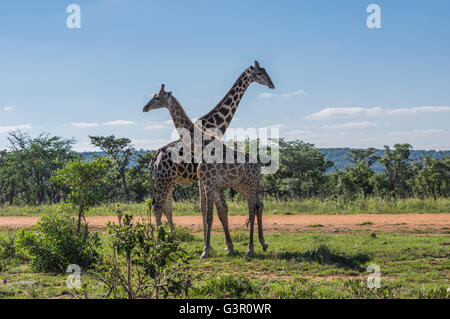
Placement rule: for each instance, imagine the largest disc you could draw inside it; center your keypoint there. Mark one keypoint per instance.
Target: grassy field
(271, 207)
(311, 264)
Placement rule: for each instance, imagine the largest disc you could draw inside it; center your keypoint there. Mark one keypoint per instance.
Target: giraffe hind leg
(259, 210)
(251, 216)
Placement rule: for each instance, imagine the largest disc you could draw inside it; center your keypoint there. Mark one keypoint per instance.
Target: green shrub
(58, 244)
(147, 262)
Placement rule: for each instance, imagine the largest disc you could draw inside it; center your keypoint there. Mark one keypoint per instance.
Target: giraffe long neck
(219, 118)
(185, 127)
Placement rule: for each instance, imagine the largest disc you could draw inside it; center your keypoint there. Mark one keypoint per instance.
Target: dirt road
(428, 222)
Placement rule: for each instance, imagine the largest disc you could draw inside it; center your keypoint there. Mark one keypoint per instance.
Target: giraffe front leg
(201, 191)
(208, 219)
(168, 210)
(222, 211)
(158, 208)
(163, 189)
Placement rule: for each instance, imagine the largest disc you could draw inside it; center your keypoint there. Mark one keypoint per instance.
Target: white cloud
(119, 123)
(83, 124)
(350, 125)
(295, 93)
(333, 112)
(416, 132)
(8, 108)
(267, 95)
(6, 129)
(94, 124)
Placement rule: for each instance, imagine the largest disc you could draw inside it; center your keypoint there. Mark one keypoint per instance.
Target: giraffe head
(259, 75)
(159, 100)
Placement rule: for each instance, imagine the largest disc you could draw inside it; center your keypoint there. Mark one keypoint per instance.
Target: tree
(398, 168)
(357, 178)
(433, 178)
(120, 152)
(84, 184)
(139, 179)
(305, 164)
(8, 179)
(28, 167)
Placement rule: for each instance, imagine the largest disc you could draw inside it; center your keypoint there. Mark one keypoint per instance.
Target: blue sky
(338, 83)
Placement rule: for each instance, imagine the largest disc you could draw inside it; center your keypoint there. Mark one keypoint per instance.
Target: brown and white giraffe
(167, 173)
(215, 176)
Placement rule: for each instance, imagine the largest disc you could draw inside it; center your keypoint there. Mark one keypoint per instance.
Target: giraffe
(167, 173)
(215, 177)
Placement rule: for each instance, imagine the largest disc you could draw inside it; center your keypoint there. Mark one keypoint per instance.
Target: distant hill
(336, 155)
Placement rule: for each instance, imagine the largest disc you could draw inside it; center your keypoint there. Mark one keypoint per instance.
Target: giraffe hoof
(249, 253)
(230, 253)
(264, 247)
(204, 255)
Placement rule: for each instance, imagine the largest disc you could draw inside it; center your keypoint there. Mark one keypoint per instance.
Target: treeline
(29, 167)
(303, 174)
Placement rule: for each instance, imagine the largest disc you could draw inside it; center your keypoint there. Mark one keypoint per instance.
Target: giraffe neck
(185, 127)
(219, 118)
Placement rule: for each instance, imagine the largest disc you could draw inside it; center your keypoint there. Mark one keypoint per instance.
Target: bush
(146, 262)
(58, 244)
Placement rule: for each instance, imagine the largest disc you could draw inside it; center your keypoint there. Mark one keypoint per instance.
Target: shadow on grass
(322, 255)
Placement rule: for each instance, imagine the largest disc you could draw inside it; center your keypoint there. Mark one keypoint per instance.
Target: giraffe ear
(169, 93)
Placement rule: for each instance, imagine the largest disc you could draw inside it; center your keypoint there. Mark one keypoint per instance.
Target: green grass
(310, 264)
(271, 207)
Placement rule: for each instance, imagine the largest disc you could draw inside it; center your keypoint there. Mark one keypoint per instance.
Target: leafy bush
(58, 244)
(146, 262)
